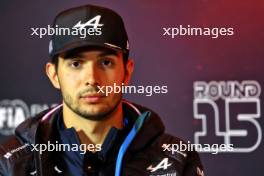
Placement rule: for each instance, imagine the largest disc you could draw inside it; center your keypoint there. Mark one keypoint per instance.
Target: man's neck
(91, 131)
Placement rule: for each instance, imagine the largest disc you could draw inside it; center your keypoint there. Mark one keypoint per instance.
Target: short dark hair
(55, 59)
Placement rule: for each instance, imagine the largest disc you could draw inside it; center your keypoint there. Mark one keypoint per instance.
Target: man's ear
(129, 70)
(52, 74)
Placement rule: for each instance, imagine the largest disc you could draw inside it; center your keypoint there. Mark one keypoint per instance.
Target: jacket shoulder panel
(17, 149)
(11, 151)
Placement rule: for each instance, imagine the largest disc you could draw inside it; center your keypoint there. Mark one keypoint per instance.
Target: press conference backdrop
(214, 82)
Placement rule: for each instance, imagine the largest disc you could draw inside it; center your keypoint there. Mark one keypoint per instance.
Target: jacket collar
(151, 128)
(43, 128)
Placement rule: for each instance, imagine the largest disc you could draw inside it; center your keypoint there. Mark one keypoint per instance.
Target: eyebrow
(80, 55)
(108, 52)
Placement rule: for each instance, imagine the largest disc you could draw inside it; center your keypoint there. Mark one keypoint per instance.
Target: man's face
(79, 75)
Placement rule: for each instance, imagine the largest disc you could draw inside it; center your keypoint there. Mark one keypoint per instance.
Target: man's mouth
(92, 98)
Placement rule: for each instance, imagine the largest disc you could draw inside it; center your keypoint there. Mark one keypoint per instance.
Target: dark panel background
(159, 60)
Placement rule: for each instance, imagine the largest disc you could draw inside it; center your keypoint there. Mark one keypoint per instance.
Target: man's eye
(76, 64)
(106, 63)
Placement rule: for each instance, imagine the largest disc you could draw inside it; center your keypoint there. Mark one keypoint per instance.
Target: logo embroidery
(57, 169)
(94, 22)
(164, 164)
(7, 155)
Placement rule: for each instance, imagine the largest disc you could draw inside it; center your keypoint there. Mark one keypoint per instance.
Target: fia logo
(94, 22)
(164, 164)
(13, 112)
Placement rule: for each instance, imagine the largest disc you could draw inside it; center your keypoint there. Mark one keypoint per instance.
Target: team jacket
(146, 151)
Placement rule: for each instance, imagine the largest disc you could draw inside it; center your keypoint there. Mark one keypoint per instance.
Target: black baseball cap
(88, 25)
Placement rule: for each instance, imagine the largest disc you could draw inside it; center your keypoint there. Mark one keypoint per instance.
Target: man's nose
(91, 75)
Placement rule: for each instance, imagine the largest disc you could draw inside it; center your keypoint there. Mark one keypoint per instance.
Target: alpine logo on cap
(91, 27)
(94, 22)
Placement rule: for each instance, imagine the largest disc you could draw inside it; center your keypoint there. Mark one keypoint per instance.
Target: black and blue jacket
(138, 150)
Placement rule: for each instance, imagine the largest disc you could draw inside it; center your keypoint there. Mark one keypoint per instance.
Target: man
(120, 138)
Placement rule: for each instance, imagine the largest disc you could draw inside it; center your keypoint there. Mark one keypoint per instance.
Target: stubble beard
(100, 116)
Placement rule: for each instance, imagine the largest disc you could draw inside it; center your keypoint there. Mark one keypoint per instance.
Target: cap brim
(80, 44)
